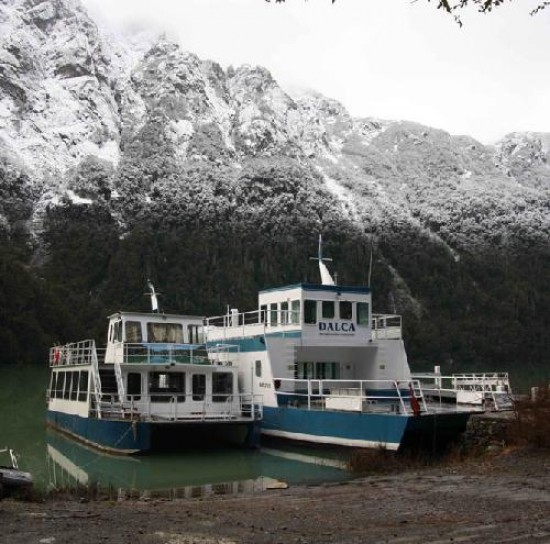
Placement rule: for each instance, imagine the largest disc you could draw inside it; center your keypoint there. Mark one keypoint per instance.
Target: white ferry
(155, 385)
(332, 372)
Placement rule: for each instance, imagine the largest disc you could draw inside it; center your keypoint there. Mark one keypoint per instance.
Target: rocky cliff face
(68, 92)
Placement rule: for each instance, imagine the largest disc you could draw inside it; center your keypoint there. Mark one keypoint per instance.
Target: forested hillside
(118, 166)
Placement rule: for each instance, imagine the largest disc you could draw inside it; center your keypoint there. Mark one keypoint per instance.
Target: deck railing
(154, 353)
(383, 396)
(468, 388)
(250, 323)
(386, 326)
(76, 353)
(175, 407)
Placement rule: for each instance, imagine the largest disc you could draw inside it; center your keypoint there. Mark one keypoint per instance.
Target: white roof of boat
(155, 316)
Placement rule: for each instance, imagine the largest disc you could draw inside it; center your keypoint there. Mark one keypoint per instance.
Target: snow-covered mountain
(67, 92)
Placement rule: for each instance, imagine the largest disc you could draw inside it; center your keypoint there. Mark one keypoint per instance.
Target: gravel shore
(501, 498)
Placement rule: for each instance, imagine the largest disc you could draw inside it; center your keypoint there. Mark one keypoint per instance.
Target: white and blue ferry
(155, 385)
(333, 372)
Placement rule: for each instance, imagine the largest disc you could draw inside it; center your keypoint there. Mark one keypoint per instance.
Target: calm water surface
(56, 461)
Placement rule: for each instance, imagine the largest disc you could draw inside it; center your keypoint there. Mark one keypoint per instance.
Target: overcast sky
(392, 59)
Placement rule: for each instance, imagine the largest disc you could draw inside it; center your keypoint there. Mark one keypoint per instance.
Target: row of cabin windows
(162, 386)
(314, 310)
(282, 313)
(317, 371)
(309, 370)
(71, 385)
(166, 333)
(288, 312)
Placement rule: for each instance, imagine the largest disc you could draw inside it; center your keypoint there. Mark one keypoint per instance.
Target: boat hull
(13, 480)
(130, 437)
(435, 431)
(355, 429)
(364, 429)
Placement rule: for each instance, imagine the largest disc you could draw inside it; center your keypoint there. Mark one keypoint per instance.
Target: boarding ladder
(96, 380)
(415, 392)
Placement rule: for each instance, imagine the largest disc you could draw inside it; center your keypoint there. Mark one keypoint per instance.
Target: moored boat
(155, 385)
(12, 479)
(333, 372)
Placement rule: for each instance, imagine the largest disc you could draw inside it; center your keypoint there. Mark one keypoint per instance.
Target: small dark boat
(11, 478)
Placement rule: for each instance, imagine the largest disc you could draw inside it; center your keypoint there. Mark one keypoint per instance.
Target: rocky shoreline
(497, 494)
(498, 497)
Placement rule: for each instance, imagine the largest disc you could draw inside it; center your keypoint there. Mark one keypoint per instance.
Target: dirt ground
(504, 498)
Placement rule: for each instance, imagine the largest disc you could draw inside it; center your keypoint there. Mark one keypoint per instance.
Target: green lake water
(59, 462)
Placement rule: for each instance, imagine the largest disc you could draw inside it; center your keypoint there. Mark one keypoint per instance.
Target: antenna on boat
(370, 261)
(326, 278)
(154, 299)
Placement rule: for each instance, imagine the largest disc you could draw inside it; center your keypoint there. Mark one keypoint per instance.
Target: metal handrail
(313, 393)
(164, 353)
(239, 407)
(72, 354)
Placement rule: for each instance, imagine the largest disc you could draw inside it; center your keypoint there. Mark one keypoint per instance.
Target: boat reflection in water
(197, 473)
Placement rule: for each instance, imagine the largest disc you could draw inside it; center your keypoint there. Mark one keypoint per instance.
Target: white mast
(326, 278)
(154, 298)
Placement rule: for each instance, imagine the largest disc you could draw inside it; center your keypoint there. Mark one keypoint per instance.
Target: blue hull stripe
(140, 436)
(345, 428)
(112, 435)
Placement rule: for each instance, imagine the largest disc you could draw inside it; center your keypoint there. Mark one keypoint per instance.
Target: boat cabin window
(133, 332)
(116, 332)
(310, 311)
(273, 314)
(195, 334)
(263, 313)
(133, 388)
(199, 386)
(58, 392)
(346, 309)
(60, 385)
(284, 313)
(222, 386)
(83, 386)
(169, 333)
(295, 309)
(327, 309)
(74, 385)
(53, 384)
(362, 313)
(166, 385)
(67, 386)
(258, 369)
(317, 371)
